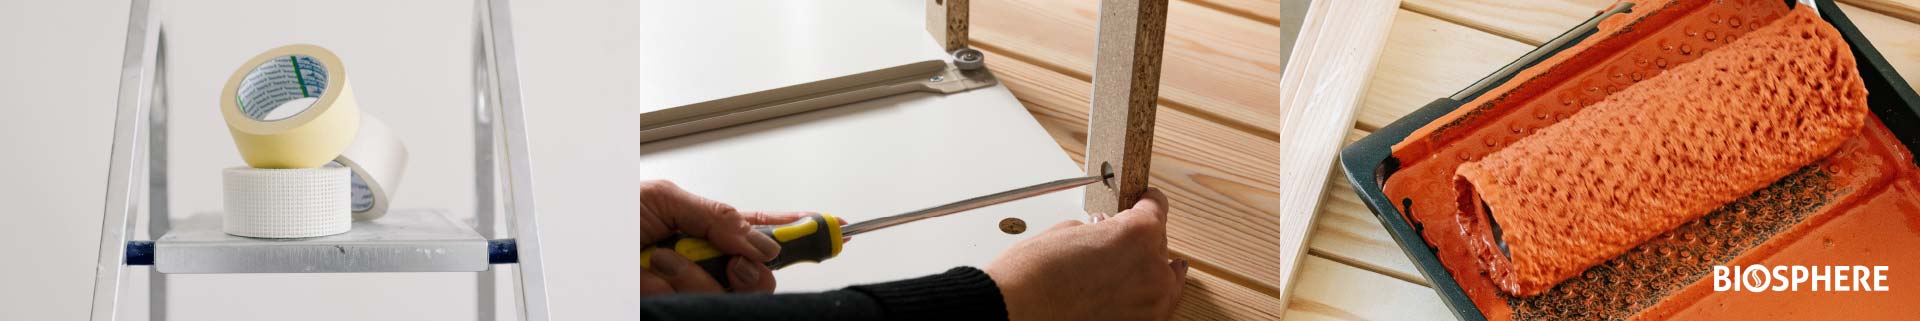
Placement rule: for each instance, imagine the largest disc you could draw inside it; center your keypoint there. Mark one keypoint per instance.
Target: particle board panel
(1126, 94)
(1329, 290)
(947, 22)
(1209, 68)
(1337, 50)
(1220, 180)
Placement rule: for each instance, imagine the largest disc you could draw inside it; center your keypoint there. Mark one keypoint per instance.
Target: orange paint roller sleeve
(1660, 153)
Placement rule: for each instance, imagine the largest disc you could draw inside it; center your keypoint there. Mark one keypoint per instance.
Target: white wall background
(409, 63)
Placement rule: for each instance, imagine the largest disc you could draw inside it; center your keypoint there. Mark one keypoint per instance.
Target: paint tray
(1621, 45)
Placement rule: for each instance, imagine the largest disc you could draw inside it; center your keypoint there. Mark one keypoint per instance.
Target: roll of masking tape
(290, 107)
(377, 159)
(287, 203)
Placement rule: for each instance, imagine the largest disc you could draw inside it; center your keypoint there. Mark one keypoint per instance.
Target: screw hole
(1013, 225)
(1106, 174)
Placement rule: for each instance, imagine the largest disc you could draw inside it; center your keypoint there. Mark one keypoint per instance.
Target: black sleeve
(963, 293)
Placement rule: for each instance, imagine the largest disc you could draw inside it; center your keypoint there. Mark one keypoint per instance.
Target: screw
(936, 79)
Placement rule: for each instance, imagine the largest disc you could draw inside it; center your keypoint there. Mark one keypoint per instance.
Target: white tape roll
(287, 203)
(377, 159)
(290, 107)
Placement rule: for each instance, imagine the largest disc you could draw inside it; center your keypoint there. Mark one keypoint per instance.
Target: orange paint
(1880, 226)
(1882, 231)
(1865, 198)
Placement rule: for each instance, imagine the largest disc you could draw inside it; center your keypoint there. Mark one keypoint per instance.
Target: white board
(695, 51)
(859, 161)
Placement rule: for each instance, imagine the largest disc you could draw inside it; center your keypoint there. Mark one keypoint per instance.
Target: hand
(666, 210)
(1114, 268)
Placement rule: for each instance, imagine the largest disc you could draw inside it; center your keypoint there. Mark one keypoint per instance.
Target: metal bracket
(947, 22)
(966, 72)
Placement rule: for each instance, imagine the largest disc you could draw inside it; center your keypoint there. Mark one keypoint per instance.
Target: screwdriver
(818, 237)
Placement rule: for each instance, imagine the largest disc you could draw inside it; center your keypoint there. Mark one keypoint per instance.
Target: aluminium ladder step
(405, 240)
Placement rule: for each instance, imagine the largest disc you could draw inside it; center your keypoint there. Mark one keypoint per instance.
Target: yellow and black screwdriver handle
(812, 239)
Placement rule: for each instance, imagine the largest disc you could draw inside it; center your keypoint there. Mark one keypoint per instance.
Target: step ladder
(405, 240)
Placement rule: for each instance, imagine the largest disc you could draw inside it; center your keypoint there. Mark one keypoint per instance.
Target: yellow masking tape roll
(290, 107)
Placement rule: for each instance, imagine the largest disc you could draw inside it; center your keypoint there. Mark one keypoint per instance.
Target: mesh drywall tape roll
(287, 203)
(377, 159)
(290, 107)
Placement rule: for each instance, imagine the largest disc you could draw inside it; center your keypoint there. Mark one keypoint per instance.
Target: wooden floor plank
(1328, 290)
(1535, 22)
(1209, 297)
(1428, 58)
(1893, 37)
(1267, 11)
(1908, 10)
(1348, 232)
(1211, 68)
(1220, 180)
(1531, 22)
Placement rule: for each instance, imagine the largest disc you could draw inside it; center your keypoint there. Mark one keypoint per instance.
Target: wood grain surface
(1342, 292)
(1217, 146)
(1428, 58)
(1210, 68)
(1218, 179)
(1214, 150)
(1895, 39)
(1338, 46)
(1265, 11)
(1908, 10)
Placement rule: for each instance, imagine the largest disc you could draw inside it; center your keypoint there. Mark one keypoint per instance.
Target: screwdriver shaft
(971, 203)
